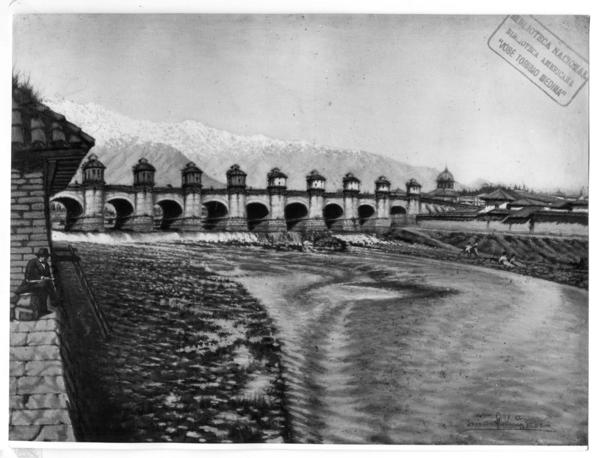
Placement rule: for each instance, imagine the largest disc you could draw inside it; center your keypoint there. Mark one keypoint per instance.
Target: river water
(384, 348)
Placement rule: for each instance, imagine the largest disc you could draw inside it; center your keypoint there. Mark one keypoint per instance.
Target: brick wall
(29, 221)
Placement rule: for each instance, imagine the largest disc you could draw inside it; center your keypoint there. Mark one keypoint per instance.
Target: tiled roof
(498, 194)
(38, 133)
(439, 192)
(570, 204)
(526, 202)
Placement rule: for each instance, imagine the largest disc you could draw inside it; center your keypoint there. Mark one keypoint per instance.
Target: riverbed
(386, 348)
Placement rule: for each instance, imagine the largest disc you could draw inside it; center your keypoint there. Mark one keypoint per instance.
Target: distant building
(445, 187)
(498, 198)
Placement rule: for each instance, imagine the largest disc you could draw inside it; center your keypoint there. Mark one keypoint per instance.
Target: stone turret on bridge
(191, 186)
(143, 184)
(144, 207)
(236, 197)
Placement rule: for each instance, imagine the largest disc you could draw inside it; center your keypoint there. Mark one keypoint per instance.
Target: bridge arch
(297, 200)
(117, 211)
(213, 197)
(333, 214)
(168, 212)
(215, 212)
(398, 215)
(295, 216)
(366, 216)
(254, 199)
(256, 213)
(72, 211)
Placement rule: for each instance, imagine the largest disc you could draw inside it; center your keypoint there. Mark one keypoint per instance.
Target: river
(385, 348)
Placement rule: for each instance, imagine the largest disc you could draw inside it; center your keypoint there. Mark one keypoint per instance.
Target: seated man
(38, 279)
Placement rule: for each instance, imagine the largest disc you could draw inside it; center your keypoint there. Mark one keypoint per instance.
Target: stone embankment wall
(40, 406)
(47, 400)
(545, 228)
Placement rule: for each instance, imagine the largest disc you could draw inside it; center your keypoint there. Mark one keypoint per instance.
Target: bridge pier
(236, 224)
(276, 225)
(139, 223)
(192, 224)
(383, 225)
(316, 224)
(92, 223)
(191, 184)
(236, 198)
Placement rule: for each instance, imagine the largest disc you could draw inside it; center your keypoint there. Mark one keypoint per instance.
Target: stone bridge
(144, 207)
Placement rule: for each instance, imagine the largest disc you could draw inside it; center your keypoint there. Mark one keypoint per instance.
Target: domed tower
(276, 180)
(315, 182)
(413, 196)
(191, 183)
(382, 185)
(445, 180)
(236, 196)
(276, 185)
(315, 186)
(382, 202)
(351, 190)
(191, 176)
(143, 173)
(236, 178)
(92, 172)
(143, 181)
(351, 184)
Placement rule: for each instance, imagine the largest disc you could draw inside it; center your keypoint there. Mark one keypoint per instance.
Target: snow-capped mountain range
(121, 141)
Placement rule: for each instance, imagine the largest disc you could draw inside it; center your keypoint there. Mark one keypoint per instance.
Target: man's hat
(42, 252)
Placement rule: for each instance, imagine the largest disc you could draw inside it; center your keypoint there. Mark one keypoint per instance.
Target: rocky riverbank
(562, 260)
(192, 356)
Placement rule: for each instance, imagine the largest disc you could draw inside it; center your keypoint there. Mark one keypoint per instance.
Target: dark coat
(37, 269)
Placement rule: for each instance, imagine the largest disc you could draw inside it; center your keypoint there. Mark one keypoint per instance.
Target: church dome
(445, 180)
(445, 176)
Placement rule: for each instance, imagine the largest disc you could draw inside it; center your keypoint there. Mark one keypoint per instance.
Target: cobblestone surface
(38, 399)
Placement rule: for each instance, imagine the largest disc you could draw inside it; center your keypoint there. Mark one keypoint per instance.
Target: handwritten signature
(507, 422)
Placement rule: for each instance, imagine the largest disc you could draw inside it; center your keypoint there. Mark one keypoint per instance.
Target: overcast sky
(425, 90)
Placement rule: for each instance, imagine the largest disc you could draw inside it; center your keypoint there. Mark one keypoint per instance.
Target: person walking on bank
(38, 279)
